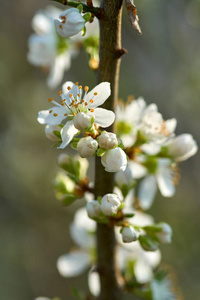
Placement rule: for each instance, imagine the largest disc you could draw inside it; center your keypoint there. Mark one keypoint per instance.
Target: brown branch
(110, 46)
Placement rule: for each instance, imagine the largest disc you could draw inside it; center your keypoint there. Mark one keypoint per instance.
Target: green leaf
(80, 8)
(87, 17)
(57, 133)
(148, 243)
(101, 152)
(83, 32)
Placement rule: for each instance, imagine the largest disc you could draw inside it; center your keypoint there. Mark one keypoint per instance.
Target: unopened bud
(87, 146)
(114, 160)
(49, 132)
(165, 233)
(82, 121)
(108, 140)
(110, 204)
(129, 234)
(93, 209)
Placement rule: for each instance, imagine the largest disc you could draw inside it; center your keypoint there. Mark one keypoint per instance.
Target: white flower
(72, 103)
(163, 178)
(76, 262)
(87, 146)
(44, 46)
(127, 120)
(182, 147)
(114, 160)
(110, 204)
(71, 22)
(165, 233)
(155, 129)
(93, 209)
(49, 132)
(107, 140)
(129, 234)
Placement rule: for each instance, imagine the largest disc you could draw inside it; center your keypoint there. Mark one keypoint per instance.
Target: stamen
(69, 88)
(60, 26)
(92, 110)
(50, 111)
(74, 114)
(95, 93)
(63, 17)
(76, 83)
(50, 100)
(91, 101)
(86, 104)
(82, 101)
(80, 87)
(55, 115)
(70, 95)
(63, 21)
(66, 115)
(86, 89)
(78, 95)
(59, 93)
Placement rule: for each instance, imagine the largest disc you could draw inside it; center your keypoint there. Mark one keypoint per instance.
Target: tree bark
(110, 57)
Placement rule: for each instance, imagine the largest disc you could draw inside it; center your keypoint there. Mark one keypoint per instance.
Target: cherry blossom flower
(114, 160)
(46, 49)
(72, 103)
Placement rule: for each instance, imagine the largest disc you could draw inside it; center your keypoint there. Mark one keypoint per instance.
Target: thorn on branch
(120, 52)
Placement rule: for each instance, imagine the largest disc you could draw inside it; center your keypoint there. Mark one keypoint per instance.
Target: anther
(70, 95)
(78, 95)
(63, 17)
(86, 88)
(91, 101)
(63, 21)
(76, 83)
(80, 87)
(61, 26)
(86, 104)
(95, 93)
(59, 93)
(92, 110)
(55, 115)
(66, 115)
(50, 99)
(69, 88)
(50, 111)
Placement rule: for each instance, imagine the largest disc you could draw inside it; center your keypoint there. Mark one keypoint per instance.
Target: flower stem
(110, 47)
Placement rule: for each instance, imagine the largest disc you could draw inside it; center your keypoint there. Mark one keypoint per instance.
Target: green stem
(86, 8)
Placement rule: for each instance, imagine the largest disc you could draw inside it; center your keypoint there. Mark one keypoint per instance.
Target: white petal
(143, 272)
(45, 117)
(61, 63)
(73, 264)
(67, 134)
(103, 92)
(151, 148)
(147, 192)
(171, 125)
(138, 171)
(74, 90)
(165, 183)
(81, 236)
(103, 117)
(94, 283)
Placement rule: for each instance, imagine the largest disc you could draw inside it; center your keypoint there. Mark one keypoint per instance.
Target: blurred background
(163, 66)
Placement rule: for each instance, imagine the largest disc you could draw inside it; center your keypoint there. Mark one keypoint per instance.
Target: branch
(86, 8)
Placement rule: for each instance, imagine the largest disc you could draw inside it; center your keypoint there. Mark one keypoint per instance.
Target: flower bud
(87, 146)
(82, 121)
(107, 140)
(165, 233)
(93, 209)
(49, 132)
(182, 147)
(129, 234)
(110, 204)
(114, 160)
(71, 22)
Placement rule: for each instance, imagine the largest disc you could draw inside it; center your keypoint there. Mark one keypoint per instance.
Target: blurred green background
(163, 66)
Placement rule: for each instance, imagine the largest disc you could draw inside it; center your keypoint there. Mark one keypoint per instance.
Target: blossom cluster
(57, 41)
(81, 114)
